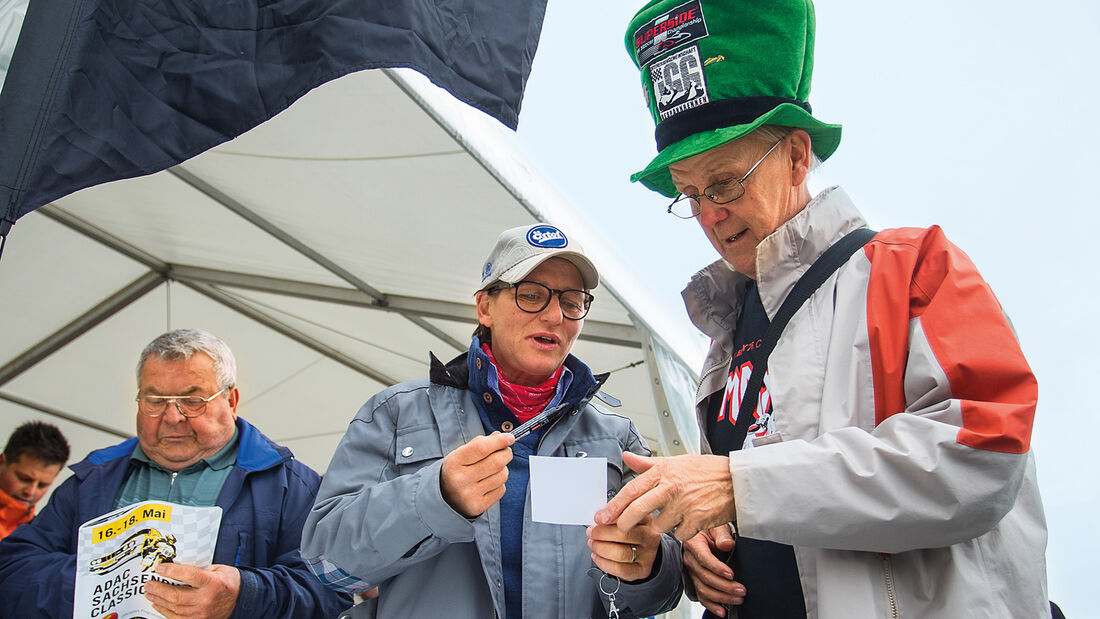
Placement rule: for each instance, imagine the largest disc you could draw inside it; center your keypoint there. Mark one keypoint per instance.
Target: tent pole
(410, 307)
(290, 332)
(42, 408)
(167, 305)
(103, 237)
(290, 240)
(672, 445)
(430, 328)
(260, 222)
(81, 325)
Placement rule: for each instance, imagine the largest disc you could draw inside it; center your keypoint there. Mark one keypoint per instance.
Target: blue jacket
(265, 501)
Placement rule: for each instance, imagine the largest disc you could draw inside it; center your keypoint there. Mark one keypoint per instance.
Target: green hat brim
(824, 137)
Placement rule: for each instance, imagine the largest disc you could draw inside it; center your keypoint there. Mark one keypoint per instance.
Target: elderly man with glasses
(191, 449)
(865, 408)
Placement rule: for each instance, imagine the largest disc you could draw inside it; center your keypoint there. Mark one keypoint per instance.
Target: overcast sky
(975, 116)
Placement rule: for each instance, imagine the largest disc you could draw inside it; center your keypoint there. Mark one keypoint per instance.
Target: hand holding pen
(547, 416)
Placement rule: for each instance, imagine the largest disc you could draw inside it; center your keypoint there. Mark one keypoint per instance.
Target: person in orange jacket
(33, 457)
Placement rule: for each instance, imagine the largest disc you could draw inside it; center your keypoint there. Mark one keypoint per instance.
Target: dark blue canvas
(101, 90)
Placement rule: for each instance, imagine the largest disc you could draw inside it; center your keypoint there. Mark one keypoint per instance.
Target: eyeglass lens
(191, 406)
(722, 192)
(534, 297)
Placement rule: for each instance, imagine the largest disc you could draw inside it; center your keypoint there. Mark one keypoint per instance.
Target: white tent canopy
(332, 247)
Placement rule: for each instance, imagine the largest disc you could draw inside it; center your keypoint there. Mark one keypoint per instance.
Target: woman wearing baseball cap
(427, 495)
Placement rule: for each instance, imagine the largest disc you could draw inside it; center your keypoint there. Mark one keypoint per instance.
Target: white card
(567, 490)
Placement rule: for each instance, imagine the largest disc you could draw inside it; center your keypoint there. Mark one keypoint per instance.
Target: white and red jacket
(900, 467)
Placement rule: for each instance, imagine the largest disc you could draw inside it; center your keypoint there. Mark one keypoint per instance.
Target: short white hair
(773, 133)
(181, 344)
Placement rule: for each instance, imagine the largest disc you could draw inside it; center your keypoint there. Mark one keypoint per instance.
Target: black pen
(542, 418)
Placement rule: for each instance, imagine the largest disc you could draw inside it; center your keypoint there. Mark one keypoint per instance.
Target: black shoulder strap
(811, 280)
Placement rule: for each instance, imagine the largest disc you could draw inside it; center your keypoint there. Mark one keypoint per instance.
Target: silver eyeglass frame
(693, 200)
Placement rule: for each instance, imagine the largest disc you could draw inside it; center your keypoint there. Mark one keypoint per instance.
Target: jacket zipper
(891, 593)
(538, 447)
(706, 374)
(712, 369)
(580, 406)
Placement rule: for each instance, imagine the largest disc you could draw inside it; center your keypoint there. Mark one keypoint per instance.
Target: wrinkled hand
(212, 593)
(472, 477)
(693, 493)
(612, 549)
(710, 576)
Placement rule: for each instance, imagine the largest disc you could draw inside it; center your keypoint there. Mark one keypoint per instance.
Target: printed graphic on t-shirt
(736, 383)
(723, 406)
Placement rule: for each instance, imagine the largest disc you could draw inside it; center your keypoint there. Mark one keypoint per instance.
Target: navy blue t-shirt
(767, 569)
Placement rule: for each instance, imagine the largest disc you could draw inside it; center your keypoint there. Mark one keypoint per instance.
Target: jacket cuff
(248, 595)
(436, 514)
(665, 576)
(654, 571)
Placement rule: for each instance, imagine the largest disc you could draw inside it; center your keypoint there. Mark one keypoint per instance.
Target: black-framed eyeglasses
(533, 297)
(188, 405)
(722, 192)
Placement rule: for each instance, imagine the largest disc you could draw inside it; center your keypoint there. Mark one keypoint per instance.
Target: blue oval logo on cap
(547, 237)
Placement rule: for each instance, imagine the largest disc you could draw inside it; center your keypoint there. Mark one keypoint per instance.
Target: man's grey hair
(773, 133)
(180, 344)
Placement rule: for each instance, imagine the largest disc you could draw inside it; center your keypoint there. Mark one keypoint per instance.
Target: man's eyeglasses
(722, 192)
(533, 297)
(188, 405)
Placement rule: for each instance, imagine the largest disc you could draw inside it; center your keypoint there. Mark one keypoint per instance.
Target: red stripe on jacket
(918, 273)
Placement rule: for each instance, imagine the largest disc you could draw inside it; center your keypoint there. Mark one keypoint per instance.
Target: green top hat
(715, 70)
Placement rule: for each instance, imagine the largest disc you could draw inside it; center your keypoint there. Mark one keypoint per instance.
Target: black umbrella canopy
(104, 90)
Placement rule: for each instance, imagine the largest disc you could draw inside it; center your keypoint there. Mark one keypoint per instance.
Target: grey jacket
(380, 518)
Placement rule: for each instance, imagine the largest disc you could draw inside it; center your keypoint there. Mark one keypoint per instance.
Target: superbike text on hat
(680, 26)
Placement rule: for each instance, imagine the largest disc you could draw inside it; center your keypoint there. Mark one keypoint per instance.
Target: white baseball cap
(519, 250)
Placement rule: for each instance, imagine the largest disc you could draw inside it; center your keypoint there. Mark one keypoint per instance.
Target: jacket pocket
(608, 448)
(416, 446)
(243, 556)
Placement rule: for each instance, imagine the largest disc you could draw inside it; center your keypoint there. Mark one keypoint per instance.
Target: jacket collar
(714, 295)
(13, 511)
(255, 452)
(456, 373)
